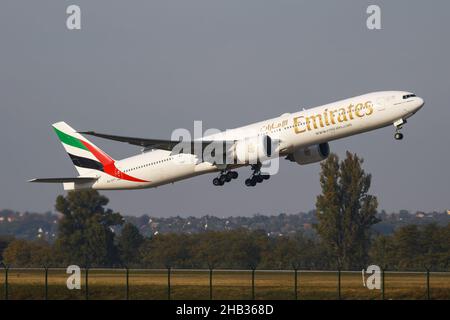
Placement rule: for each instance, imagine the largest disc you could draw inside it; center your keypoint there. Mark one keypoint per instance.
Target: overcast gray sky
(144, 68)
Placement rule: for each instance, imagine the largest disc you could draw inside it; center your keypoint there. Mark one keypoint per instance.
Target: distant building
(448, 212)
(307, 226)
(420, 215)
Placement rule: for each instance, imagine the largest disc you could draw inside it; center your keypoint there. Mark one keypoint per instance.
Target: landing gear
(398, 125)
(250, 182)
(398, 136)
(231, 175)
(256, 176)
(225, 176)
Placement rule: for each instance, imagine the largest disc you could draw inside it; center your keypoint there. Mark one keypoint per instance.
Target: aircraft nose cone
(420, 103)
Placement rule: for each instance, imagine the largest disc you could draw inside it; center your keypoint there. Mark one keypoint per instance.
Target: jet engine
(252, 150)
(311, 154)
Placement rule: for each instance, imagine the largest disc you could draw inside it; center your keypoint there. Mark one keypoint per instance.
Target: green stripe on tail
(69, 140)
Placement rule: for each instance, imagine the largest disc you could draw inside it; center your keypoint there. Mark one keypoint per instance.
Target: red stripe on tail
(109, 163)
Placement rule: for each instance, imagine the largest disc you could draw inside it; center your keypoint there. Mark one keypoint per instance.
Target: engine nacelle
(252, 150)
(311, 154)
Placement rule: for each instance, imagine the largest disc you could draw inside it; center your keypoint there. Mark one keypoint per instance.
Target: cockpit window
(407, 96)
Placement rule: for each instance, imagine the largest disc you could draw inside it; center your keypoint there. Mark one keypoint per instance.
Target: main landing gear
(398, 125)
(256, 176)
(225, 176)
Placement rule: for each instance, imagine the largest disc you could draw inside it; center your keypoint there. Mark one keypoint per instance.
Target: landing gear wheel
(229, 176)
(223, 179)
(266, 176)
(256, 177)
(248, 182)
(398, 136)
(225, 176)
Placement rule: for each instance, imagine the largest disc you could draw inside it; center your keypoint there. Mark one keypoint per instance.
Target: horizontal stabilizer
(64, 180)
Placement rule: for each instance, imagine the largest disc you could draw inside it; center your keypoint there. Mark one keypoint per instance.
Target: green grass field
(149, 284)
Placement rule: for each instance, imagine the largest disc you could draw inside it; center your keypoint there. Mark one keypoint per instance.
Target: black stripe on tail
(86, 163)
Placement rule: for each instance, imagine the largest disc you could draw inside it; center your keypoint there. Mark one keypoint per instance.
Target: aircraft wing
(145, 143)
(154, 143)
(62, 180)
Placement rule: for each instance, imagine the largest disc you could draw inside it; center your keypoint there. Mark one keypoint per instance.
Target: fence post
(86, 280)
(46, 282)
(382, 284)
(428, 284)
(168, 283)
(295, 284)
(253, 283)
(210, 283)
(6, 280)
(339, 283)
(127, 288)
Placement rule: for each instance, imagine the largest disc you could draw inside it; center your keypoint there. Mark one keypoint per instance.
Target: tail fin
(84, 154)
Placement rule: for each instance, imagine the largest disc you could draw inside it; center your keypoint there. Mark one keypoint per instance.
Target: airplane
(302, 137)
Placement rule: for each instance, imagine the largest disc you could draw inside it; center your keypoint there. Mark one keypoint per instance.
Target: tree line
(409, 248)
(345, 213)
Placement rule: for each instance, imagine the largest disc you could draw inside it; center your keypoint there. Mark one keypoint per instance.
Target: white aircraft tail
(89, 160)
(86, 157)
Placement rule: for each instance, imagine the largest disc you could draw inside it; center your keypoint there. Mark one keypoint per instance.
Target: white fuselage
(293, 131)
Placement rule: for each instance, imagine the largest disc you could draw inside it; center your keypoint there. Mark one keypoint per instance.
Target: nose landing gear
(398, 136)
(398, 125)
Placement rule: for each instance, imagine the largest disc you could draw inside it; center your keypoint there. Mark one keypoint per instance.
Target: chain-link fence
(114, 284)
